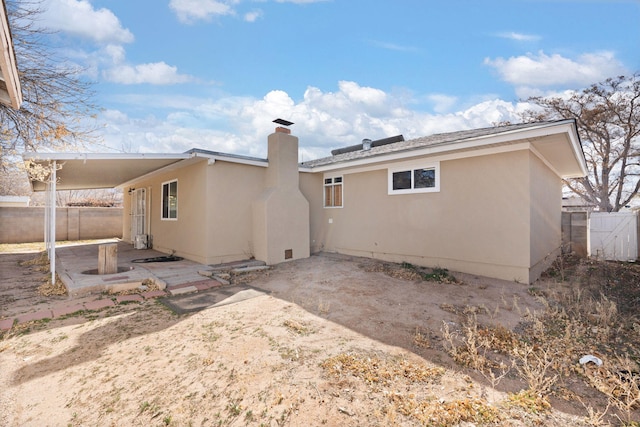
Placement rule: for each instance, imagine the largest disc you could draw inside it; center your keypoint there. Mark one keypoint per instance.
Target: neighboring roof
(10, 88)
(565, 154)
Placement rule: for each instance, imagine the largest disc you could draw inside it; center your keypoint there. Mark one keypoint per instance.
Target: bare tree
(608, 121)
(14, 181)
(57, 103)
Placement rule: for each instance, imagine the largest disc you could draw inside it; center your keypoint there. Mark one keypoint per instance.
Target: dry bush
(375, 370)
(48, 288)
(445, 413)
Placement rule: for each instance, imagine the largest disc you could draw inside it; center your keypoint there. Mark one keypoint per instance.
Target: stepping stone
(6, 324)
(250, 269)
(63, 311)
(181, 291)
(99, 304)
(38, 315)
(129, 298)
(153, 294)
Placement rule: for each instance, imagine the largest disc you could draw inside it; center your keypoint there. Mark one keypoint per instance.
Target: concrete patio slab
(75, 263)
(214, 297)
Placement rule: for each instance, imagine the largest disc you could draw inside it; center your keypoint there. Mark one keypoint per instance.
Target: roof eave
(10, 90)
(545, 129)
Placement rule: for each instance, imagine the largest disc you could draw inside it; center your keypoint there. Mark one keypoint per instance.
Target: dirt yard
(336, 341)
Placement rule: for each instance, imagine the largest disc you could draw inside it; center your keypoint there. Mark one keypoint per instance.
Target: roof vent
(366, 144)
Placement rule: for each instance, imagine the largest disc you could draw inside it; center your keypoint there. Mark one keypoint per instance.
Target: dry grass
(595, 314)
(386, 375)
(49, 289)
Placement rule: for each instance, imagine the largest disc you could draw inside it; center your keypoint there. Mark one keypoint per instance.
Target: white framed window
(170, 200)
(414, 179)
(333, 192)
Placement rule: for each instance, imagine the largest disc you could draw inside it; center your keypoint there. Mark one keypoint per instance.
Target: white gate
(613, 236)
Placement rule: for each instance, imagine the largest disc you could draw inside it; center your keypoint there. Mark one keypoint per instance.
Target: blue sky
(177, 74)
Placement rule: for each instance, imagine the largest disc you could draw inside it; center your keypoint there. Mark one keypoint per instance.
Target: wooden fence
(574, 233)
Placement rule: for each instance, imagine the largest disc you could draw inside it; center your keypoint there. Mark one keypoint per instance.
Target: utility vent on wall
(288, 253)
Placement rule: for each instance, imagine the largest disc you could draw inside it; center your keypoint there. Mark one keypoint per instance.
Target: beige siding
(231, 188)
(546, 217)
(185, 236)
(477, 223)
(312, 188)
(214, 211)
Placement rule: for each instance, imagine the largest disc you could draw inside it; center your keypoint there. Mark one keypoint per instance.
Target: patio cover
(75, 171)
(81, 171)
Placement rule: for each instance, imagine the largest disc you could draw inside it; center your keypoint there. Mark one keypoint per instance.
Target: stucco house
(484, 201)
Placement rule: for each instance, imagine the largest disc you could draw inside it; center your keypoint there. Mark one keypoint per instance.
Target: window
(414, 180)
(333, 192)
(170, 200)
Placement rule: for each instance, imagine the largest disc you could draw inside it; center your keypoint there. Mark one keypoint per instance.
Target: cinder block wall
(26, 224)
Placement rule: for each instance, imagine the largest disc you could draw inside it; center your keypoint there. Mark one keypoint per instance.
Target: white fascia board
(509, 137)
(62, 156)
(231, 159)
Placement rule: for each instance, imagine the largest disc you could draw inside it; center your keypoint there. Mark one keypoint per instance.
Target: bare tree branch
(57, 105)
(607, 115)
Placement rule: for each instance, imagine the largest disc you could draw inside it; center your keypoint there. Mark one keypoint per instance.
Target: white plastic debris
(590, 358)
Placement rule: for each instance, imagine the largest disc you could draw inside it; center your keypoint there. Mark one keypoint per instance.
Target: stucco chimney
(281, 212)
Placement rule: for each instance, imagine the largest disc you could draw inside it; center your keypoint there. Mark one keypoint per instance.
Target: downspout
(52, 227)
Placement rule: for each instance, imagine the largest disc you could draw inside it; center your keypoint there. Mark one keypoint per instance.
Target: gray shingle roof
(422, 142)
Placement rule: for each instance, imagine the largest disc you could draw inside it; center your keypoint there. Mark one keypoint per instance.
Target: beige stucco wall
(231, 188)
(478, 222)
(187, 235)
(214, 211)
(311, 186)
(546, 217)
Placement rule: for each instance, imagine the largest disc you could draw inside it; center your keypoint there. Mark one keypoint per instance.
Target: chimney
(281, 212)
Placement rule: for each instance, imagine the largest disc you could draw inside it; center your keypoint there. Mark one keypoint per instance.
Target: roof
(108, 170)
(10, 88)
(96, 170)
(556, 141)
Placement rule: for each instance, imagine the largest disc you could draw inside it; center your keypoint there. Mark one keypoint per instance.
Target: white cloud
(323, 121)
(79, 18)
(156, 73)
(300, 1)
(442, 103)
(542, 71)
(520, 37)
(253, 16)
(394, 46)
(190, 11)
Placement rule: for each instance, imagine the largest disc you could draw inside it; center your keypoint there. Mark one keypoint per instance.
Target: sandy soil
(337, 341)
